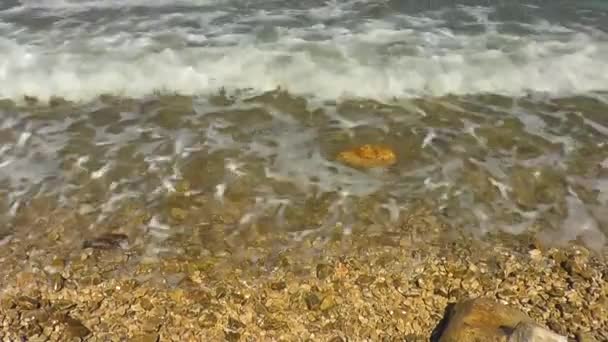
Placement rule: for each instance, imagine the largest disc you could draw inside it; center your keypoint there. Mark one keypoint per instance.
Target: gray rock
(529, 332)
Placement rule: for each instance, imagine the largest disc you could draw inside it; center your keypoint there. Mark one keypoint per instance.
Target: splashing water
(497, 115)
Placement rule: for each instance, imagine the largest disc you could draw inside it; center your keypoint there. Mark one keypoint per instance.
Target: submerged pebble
(75, 328)
(368, 156)
(108, 241)
(56, 282)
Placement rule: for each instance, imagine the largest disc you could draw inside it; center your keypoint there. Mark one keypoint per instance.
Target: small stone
(529, 332)
(39, 315)
(368, 156)
(312, 301)
(365, 280)
(121, 311)
(63, 305)
(145, 338)
(139, 291)
(232, 336)
(56, 281)
(27, 303)
(108, 241)
(91, 280)
(12, 315)
(232, 330)
(75, 329)
(152, 324)
(269, 323)
(182, 186)
(278, 286)
(584, 337)
(177, 295)
(535, 254)
(33, 329)
(146, 304)
(324, 271)
(208, 320)
(234, 324)
(25, 279)
(6, 303)
(56, 266)
(327, 303)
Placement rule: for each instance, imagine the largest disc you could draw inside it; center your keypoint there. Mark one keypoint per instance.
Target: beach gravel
(394, 287)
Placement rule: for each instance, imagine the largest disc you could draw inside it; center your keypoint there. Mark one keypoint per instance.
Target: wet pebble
(232, 336)
(324, 271)
(584, 337)
(75, 329)
(278, 286)
(365, 280)
(152, 324)
(6, 303)
(232, 330)
(312, 301)
(207, 320)
(56, 282)
(108, 241)
(270, 323)
(327, 303)
(145, 338)
(27, 303)
(235, 324)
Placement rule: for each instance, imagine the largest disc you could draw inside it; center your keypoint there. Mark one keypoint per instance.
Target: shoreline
(343, 290)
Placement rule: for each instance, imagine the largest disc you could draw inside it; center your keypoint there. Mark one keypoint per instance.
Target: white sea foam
(399, 56)
(84, 5)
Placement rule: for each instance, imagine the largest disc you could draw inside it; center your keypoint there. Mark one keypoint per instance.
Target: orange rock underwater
(368, 156)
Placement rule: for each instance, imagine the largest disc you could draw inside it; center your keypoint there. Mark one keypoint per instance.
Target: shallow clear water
(497, 112)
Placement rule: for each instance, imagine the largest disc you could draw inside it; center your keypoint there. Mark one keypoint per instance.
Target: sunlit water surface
(498, 115)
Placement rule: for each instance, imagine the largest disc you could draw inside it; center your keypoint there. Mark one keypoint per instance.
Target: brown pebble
(75, 329)
(145, 338)
(324, 271)
(56, 281)
(584, 337)
(234, 324)
(232, 336)
(312, 301)
(27, 303)
(327, 303)
(365, 280)
(107, 241)
(278, 286)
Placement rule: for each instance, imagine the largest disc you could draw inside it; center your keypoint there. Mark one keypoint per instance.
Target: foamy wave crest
(83, 5)
(352, 66)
